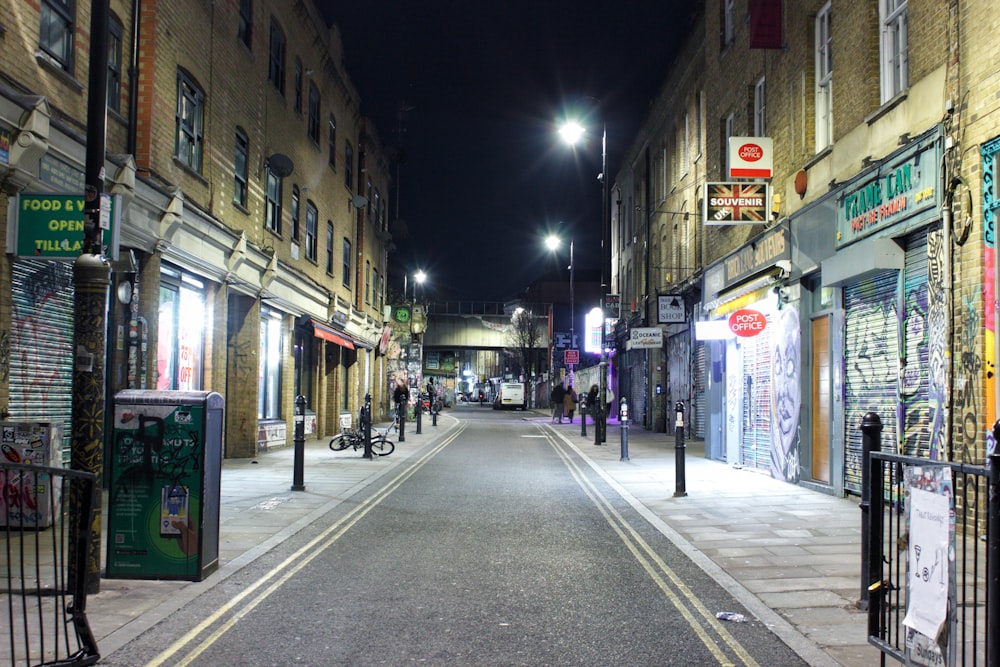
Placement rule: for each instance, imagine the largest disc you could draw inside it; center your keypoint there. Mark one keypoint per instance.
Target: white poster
(927, 606)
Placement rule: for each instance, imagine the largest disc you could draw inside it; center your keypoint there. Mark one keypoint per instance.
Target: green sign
(52, 225)
(155, 507)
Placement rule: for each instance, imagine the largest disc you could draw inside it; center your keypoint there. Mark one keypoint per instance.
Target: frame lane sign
(51, 225)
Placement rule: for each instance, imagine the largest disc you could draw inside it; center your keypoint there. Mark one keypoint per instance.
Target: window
(190, 121)
(346, 278)
(114, 64)
(348, 164)
(377, 287)
(759, 109)
(276, 69)
(269, 368)
(312, 218)
(295, 213)
(272, 201)
(329, 247)
(55, 34)
(313, 113)
(683, 150)
(368, 281)
(182, 329)
(728, 32)
(244, 30)
(332, 142)
(240, 165)
(895, 61)
(728, 130)
(824, 79)
(298, 86)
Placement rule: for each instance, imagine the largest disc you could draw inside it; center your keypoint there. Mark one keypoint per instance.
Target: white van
(511, 397)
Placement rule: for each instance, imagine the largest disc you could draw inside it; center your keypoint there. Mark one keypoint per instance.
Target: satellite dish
(280, 165)
(359, 201)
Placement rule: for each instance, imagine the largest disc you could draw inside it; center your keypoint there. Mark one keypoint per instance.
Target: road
(497, 546)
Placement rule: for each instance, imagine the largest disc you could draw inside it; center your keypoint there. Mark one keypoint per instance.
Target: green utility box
(165, 474)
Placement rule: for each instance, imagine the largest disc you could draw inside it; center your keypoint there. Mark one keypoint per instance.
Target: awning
(321, 330)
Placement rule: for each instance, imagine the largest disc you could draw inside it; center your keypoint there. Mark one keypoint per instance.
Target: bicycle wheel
(340, 442)
(382, 446)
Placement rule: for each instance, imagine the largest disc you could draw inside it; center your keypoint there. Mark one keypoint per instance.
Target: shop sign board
(898, 189)
(571, 357)
(51, 225)
(735, 203)
(750, 157)
(646, 338)
(670, 309)
(747, 322)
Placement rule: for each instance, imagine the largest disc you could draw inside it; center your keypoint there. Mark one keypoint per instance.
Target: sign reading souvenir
(735, 203)
(747, 322)
(750, 157)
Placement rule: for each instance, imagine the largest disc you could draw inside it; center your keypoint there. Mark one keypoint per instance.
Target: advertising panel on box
(750, 157)
(735, 203)
(51, 226)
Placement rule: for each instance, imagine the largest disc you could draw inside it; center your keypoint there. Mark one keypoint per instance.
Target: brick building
(869, 259)
(250, 197)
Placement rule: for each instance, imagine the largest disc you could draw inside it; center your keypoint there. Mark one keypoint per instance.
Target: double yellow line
(677, 592)
(275, 578)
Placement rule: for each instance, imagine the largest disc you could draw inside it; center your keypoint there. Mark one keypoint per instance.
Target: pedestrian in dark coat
(557, 402)
(569, 403)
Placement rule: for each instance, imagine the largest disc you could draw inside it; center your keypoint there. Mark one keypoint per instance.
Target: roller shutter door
(698, 394)
(915, 386)
(756, 440)
(871, 358)
(41, 349)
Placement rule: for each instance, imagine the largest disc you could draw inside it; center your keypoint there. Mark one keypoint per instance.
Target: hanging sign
(747, 322)
(735, 203)
(750, 157)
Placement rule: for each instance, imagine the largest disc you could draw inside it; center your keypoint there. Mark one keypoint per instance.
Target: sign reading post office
(51, 226)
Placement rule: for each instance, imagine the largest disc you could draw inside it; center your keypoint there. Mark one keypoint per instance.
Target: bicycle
(381, 446)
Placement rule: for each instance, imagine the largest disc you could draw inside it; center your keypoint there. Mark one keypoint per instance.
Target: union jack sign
(735, 203)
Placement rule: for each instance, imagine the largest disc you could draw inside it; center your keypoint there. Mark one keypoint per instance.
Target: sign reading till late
(52, 225)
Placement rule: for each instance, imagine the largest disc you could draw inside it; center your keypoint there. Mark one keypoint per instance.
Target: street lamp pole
(572, 307)
(600, 428)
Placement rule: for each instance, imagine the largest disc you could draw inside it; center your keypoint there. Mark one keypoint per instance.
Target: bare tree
(525, 337)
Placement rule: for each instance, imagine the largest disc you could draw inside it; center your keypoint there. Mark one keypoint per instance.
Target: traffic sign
(571, 357)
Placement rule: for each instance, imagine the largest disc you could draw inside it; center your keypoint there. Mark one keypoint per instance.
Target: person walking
(592, 402)
(569, 403)
(557, 402)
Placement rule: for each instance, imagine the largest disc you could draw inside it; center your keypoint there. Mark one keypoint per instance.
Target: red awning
(320, 330)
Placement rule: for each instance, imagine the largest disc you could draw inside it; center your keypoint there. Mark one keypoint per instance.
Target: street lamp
(571, 132)
(419, 277)
(552, 242)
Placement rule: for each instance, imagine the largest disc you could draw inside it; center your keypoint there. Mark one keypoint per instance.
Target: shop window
(182, 331)
(269, 368)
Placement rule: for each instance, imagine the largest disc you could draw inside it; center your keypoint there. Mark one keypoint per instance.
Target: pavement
(789, 554)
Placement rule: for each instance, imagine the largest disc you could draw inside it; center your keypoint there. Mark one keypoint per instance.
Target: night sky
(486, 84)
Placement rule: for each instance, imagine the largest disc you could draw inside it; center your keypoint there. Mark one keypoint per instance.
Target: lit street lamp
(572, 132)
(552, 242)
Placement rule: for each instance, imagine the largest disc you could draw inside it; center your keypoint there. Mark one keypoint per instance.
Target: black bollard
(680, 476)
(623, 420)
(871, 441)
(401, 412)
(366, 425)
(299, 443)
(583, 418)
(434, 413)
(419, 414)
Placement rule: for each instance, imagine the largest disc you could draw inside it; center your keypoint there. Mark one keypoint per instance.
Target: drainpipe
(133, 79)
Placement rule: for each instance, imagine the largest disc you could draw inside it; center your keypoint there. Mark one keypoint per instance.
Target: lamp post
(552, 242)
(571, 132)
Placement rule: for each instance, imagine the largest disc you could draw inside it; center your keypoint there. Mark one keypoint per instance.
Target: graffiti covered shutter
(871, 357)
(41, 346)
(698, 398)
(756, 441)
(915, 379)
(638, 372)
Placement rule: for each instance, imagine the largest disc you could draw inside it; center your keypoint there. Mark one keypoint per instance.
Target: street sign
(670, 309)
(612, 306)
(571, 357)
(646, 338)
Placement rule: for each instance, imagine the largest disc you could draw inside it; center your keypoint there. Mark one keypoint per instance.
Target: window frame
(115, 33)
(244, 25)
(241, 168)
(823, 51)
(332, 142)
(760, 107)
(276, 57)
(57, 46)
(312, 222)
(329, 247)
(189, 127)
(295, 212)
(346, 264)
(894, 63)
(349, 165)
(297, 93)
(273, 186)
(312, 125)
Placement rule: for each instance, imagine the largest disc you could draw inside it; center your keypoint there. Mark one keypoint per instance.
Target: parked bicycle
(381, 445)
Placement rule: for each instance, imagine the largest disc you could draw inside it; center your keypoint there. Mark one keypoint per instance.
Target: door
(822, 412)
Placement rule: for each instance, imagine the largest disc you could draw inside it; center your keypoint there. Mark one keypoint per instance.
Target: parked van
(511, 397)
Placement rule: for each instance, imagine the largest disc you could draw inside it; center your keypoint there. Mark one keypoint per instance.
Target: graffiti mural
(786, 395)
(990, 200)
(936, 347)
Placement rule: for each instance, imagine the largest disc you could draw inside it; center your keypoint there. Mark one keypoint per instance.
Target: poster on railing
(930, 563)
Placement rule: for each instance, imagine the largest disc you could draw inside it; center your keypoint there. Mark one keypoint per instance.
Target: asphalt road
(498, 546)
